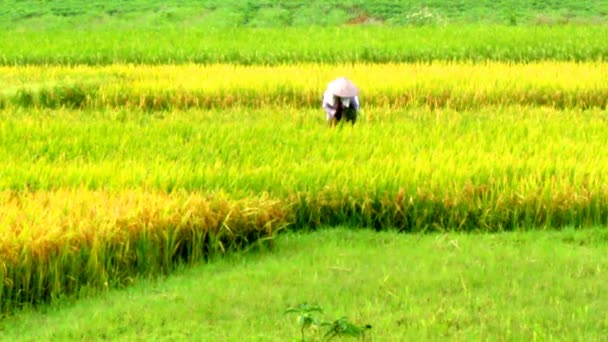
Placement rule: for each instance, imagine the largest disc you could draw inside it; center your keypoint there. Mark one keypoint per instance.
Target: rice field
(106, 44)
(174, 87)
(544, 285)
(110, 172)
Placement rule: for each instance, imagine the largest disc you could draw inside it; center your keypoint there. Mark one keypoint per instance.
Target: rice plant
(118, 171)
(288, 45)
(435, 85)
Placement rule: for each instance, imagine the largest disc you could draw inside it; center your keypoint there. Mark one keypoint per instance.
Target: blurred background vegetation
(95, 14)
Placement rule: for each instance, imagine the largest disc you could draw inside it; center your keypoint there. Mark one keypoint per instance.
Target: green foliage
(306, 316)
(99, 14)
(342, 327)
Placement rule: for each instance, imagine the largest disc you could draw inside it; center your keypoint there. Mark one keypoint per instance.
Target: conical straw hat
(343, 87)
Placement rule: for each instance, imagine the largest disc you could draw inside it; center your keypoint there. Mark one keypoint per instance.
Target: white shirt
(328, 103)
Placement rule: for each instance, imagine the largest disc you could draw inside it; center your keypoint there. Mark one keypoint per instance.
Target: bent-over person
(341, 101)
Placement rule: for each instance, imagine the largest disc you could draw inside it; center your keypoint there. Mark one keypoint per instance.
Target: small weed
(341, 327)
(306, 316)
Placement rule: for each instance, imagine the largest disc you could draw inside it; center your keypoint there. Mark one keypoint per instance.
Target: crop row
(451, 85)
(284, 150)
(366, 44)
(71, 241)
(74, 242)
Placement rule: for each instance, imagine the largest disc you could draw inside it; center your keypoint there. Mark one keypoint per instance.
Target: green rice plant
(277, 46)
(502, 149)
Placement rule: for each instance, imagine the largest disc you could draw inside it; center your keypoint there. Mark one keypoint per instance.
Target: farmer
(341, 101)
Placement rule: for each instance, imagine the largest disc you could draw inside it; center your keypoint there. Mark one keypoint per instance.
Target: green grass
(510, 286)
(308, 44)
(274, 32)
